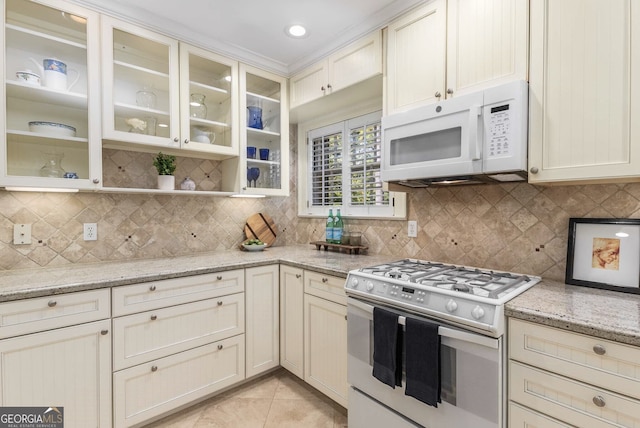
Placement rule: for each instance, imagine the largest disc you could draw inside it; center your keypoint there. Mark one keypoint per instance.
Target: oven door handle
(442, 330)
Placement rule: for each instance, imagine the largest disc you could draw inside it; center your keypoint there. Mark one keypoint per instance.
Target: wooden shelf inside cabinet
(351, 249)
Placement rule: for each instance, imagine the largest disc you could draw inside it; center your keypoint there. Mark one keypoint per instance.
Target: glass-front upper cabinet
(51, 102)
(140, 86)
(208, 102)
(263, 168)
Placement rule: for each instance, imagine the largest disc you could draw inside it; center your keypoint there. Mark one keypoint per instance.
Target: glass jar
(52, 166)
(197, 106)
(145, 98)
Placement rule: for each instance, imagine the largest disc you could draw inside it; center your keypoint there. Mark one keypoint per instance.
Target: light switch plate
(21, 234)
(412, 229)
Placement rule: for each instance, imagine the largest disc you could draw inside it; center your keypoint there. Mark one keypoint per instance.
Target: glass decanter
(52, 166)
(197, 106)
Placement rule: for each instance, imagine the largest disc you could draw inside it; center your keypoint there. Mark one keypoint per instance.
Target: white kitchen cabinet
(521, 417)
(452, 47)
(265, 94)
(175, 341)
(325, 335)
(583, 103)
(263, 319)
(572, 378)
(69, 366)
(348, 66)
(34, 31)
(147, 390)
(292, 320)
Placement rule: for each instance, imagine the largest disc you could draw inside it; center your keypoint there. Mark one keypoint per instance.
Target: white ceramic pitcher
(54, 72)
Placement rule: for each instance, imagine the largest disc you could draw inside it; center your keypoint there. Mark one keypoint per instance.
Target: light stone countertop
(605, 314)
(601, 313)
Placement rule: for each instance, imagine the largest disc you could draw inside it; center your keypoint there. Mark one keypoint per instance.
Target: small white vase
(166, 182)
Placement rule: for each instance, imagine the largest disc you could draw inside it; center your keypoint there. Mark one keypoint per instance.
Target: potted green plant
(166, 166)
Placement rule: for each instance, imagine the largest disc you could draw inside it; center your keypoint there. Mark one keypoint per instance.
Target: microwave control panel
(498, 135)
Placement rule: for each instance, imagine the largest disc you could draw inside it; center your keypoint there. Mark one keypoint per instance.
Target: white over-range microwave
(474, 138)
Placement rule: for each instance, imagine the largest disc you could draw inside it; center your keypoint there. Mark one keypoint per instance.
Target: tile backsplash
(514, 227)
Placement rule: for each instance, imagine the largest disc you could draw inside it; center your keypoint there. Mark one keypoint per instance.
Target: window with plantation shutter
(344, 161)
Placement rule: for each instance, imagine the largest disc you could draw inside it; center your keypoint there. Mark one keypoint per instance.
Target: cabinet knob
(322, 88)
(534, 170)
(52, 303)
(325, 280)
(176, 139)
(186, 141)
(438, 94)
(154, 368)
(449, 91)
(219, 277)
(599, 349)
(298, 276)
(219, 347)
(154, 317)
(598, 400)
(152, 288)
(104, 332)
(219, 302)
(96, 180)
(328, 86)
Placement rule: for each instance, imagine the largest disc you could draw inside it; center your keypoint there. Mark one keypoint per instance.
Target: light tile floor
(278, 399)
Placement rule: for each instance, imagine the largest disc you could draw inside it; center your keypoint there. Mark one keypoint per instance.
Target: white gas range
(468, 306)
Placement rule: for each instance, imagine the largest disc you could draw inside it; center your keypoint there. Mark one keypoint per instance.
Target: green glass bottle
(338, 228)
(329, 227)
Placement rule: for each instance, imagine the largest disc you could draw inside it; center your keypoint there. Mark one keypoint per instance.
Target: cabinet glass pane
(46, 82)
(263, 132)
(210, 101)
(141, 85)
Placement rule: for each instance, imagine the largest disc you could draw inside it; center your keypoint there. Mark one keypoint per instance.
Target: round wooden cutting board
(261, 226)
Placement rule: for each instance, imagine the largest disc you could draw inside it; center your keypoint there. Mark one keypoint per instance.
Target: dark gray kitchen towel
(422, 361)
(387, 346)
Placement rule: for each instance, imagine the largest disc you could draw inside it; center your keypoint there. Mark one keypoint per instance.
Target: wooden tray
(261, 226)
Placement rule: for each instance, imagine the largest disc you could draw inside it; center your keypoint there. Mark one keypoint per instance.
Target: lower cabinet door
(68, 367)
(157, 387)
(325, 347)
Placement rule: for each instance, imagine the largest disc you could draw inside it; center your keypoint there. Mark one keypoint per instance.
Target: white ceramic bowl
(254, 247)
(27, 76)
(52, 128)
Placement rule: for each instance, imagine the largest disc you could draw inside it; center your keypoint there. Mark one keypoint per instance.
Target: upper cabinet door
(208, 102)
(584, 94)
(356, 62)
(416, 51)
(487, 43)
(51, 96)
(141, 86)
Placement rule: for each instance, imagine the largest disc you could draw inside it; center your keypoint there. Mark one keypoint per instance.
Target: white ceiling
(253, 30)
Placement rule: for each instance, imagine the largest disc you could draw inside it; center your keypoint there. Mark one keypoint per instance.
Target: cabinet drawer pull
(325, 280)
(219, 302)
(598, 400)
(104, 332)
(219, 277)
(154, 368)
(220, 347)
(599, 349)
(298, 276)
(152, 288)
(154, 317)
(52, 303)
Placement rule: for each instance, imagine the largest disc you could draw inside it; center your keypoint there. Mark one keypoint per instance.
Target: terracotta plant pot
(166, 182)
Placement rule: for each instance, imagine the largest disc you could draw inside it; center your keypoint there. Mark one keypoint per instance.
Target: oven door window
(430, 146)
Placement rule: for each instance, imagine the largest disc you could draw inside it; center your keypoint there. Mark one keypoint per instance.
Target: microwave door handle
(475, 142)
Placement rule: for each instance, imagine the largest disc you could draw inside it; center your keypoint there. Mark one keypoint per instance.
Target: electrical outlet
(90, 231)
(21, 234)
(412, 229)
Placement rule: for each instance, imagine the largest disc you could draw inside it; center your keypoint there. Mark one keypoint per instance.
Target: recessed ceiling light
(296, 30)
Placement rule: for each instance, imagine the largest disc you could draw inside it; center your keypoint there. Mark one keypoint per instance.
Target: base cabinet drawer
(521, 417)
(151, 389)
(572, 401)
(139, 338)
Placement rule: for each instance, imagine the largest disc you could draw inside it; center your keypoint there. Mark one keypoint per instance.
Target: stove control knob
(451, 306)
(477, 312)
(354, 283)
(369, 285)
